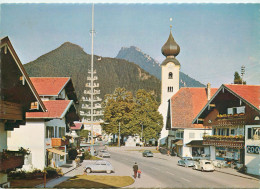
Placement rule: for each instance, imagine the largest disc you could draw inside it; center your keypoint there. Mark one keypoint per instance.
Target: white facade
(252, 149)
(194, 134)
(33, 136)
(62, 95)
(169, 86)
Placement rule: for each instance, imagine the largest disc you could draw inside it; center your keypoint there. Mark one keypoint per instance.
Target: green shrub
(17, 174)
(72, 154)
(51, 172)
(87, 155)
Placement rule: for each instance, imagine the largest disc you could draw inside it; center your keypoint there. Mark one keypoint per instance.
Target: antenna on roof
(242, 72)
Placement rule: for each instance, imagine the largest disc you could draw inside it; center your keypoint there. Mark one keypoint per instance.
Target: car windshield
(207, 163)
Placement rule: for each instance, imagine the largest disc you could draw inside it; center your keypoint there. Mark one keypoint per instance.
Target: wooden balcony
(56, 142)
(229, 119)
(224, 141)
(11, 160)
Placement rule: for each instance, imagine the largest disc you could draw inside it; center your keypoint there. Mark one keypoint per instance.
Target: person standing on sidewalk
(135, 168)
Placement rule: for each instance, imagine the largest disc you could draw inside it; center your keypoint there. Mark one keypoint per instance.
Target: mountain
(134, 54)
(70, 60)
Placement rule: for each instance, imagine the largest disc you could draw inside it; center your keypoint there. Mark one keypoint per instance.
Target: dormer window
(170, 75)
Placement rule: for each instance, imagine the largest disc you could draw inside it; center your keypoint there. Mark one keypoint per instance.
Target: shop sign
(252, 149)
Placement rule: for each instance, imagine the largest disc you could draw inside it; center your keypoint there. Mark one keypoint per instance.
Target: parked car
(99, 166)
(104, 153)
(204, 165)
(147, 153)
(186, 162)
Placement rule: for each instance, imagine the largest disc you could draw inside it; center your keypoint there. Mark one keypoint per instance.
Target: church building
(169, 80)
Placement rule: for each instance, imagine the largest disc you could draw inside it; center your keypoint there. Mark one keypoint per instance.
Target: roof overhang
(5, 42)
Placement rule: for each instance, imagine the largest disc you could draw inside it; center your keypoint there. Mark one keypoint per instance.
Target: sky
(215, 39)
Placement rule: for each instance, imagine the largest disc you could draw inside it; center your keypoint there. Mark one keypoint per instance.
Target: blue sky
(215, 39)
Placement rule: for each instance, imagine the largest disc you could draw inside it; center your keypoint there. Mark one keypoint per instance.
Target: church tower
(169, 80)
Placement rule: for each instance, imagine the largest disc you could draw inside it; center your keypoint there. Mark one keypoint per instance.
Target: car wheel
(108, 171)
(88, 170)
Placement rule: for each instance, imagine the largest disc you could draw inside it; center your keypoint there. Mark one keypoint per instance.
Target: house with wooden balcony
(185, 138)
(17, 96)
(45, 132)
(228, 112)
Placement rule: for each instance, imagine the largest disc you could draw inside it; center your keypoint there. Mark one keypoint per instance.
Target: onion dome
(170, 48)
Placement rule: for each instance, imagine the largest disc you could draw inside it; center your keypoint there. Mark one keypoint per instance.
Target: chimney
(208, 91)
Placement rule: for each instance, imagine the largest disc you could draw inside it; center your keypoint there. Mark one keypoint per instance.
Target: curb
(237, 175)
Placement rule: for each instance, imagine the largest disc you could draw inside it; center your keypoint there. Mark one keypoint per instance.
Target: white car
(103, 153)
(204, 165)
(99, 166)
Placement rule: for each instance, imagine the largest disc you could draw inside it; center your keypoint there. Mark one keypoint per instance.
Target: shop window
(61, 158)
(214, 131)
(256, 133)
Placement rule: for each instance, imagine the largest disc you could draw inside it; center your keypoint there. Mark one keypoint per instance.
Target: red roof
(251, 93)
(55, 108)
(77, 126)
(50, 86)
(186, 104)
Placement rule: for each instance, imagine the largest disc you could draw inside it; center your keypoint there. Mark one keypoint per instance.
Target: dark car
(147, 153)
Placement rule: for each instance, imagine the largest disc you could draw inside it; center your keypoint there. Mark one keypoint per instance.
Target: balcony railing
(224, 141)
(231, 116)
(56, 142)
(10, 160)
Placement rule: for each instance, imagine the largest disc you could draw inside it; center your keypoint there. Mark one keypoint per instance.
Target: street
(163, 171)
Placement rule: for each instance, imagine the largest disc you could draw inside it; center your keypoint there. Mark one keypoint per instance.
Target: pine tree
(238, 79)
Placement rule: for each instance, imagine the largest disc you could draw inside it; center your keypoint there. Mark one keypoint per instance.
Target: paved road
(165, 170)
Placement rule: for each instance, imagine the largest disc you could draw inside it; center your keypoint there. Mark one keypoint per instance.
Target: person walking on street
(135, 168)
(139, 173)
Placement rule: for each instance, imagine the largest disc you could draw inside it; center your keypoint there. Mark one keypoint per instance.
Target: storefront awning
(195, 143)
(179, 143)
(55, 151)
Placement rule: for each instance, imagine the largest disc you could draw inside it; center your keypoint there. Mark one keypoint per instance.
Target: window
(170, 75)
(219, 131)
(61, 132)
(256, 133)
(236, 110)
(227, 132)
(233, 132)
(170, 89)
(192, 135)
(56, 132)
(249, 133)
(49, 132)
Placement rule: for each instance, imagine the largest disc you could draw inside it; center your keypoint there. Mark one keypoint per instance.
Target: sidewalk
(69, 172)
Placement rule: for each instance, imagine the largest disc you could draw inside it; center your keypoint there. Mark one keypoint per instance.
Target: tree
(147, 116)
(238, 79)
(118, 108)
(133, 114)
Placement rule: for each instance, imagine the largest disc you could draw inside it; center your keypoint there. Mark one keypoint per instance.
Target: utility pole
(242, 72)
(119, 135)
(93, 104)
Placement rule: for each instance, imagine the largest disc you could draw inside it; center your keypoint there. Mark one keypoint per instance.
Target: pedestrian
(135, 169)
(139, 173)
